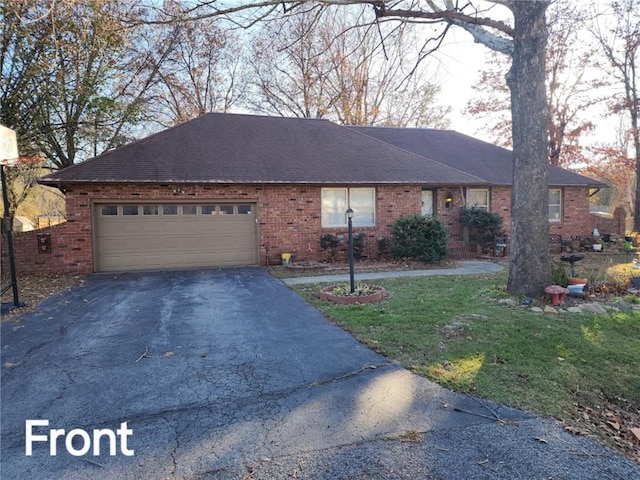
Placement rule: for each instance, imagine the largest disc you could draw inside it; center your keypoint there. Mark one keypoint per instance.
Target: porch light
(448, 200)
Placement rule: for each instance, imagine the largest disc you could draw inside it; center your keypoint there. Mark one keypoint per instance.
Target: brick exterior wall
(575, 210)
(575, 214)
(289, 219)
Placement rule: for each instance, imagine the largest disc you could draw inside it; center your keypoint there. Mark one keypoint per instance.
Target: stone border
(296, 267)
(326, 294)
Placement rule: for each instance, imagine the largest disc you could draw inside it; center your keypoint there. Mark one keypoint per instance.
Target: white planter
(597, 247)
(576, 290)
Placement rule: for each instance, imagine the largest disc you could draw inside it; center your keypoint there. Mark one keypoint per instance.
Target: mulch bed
(33, 289)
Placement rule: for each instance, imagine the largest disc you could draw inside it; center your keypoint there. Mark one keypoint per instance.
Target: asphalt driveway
(229, 374)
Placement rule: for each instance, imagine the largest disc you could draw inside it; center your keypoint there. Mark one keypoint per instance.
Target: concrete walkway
(464, 268)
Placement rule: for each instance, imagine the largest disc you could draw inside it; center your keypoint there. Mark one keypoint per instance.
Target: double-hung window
(555, 204)
(478, 198)
(336, 201)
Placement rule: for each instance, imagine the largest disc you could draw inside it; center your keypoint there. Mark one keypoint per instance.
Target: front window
(555, 204)
(335, 202)
(478, 198)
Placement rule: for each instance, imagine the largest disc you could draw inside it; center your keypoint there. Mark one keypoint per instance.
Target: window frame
(486, 207)
(558, 205)
(357, 222)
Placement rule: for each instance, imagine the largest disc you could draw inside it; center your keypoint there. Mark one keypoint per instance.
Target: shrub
(560, 276)
(329, 244)
(358, 246)
(417, 237)
(384, 247)
(484, 226)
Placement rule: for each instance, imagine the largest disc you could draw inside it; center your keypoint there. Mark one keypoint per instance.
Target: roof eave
(53, 182)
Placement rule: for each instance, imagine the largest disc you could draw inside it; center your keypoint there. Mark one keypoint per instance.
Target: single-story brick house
(228, 189)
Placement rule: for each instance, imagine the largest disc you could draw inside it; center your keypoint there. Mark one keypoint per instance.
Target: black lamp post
(352, 283)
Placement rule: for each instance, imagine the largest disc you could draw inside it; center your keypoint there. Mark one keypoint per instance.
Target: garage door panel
(156, 228)
(128, 261)
(176, 240)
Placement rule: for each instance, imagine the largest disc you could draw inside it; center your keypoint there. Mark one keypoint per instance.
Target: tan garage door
(156, 236)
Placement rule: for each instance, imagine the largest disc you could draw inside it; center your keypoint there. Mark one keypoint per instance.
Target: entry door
(427, 202)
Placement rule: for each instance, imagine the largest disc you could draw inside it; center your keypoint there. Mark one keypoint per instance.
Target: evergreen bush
(329, 244)
(418, 237)
(484, 227)
(358, 246)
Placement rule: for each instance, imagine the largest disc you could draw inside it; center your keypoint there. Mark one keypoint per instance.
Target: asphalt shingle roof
(489, 162)
(232, 148)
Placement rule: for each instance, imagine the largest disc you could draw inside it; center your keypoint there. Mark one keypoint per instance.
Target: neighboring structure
(45, 221)
(22, 224)
(229, 189)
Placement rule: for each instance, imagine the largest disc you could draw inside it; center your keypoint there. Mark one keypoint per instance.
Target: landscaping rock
(536, 309)
(510, 302)
(549, 309)
(574, 310)
(593, 308)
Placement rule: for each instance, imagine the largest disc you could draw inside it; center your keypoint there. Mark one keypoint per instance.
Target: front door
(427, 202)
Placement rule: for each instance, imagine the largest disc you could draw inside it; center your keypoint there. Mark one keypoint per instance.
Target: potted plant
(572, 260)
(597, 244)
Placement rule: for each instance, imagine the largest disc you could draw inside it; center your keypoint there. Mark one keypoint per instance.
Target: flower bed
(305, 266)
(362, 294)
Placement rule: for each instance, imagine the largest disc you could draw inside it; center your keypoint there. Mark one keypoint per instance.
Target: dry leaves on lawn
(33, 289)
(616, 422)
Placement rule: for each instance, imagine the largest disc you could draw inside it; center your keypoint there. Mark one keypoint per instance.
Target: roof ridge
(482, 180)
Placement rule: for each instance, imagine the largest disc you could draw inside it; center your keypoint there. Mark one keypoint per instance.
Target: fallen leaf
(615, 425)
(636, 433)
(541, 440)
(169, 354)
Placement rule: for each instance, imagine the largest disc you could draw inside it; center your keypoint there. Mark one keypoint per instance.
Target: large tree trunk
(529, 262)
(635, 128)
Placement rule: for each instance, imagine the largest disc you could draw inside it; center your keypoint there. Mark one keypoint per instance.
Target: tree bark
(529, 261)
(635, 133)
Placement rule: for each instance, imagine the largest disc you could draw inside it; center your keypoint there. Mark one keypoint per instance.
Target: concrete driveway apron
(229, 374)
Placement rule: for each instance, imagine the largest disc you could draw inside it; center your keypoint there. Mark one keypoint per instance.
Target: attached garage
(153, 236)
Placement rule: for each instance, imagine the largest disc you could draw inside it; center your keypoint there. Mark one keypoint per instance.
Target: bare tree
(315, 64)
(204, 72)
(290, 73)
(618, 35)
(571, 88)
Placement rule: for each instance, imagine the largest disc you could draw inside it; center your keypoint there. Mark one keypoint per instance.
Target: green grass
(453, 331)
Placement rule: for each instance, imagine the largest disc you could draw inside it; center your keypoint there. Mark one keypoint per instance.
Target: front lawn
(454, 331)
